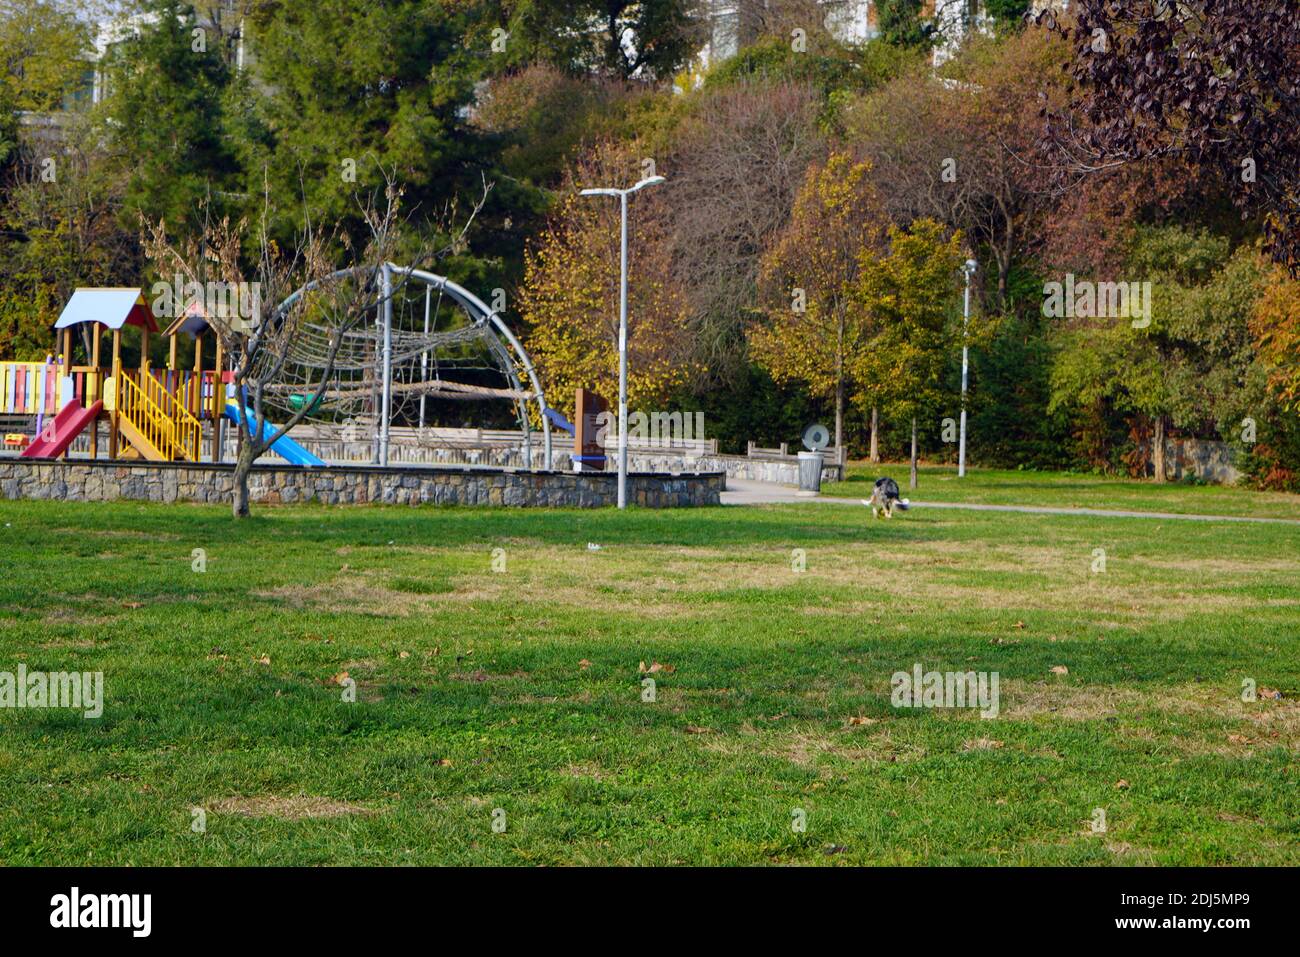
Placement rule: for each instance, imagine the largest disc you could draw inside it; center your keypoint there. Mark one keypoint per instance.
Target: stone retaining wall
(101, 481)
(1206, 460)
(777, 471)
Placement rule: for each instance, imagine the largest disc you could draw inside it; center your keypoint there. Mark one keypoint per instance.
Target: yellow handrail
(165, 423)
(186, 430)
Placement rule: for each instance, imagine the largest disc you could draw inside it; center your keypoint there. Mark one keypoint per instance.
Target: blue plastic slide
(558, 420)
(286, 448)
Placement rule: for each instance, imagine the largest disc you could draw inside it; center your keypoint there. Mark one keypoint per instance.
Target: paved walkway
(745, 492)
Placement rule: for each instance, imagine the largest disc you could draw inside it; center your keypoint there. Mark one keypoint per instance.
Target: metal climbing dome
(430, 339)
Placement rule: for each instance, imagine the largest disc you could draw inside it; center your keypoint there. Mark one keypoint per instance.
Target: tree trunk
(243, 463)
(1158, 448)
(875, 449)
(839, 420)
(912, 484)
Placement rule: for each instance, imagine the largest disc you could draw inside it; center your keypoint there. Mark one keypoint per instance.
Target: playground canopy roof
(113, 308)
(193, 321)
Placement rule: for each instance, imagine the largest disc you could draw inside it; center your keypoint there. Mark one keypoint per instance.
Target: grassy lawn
(522, 690)
(1067, 490)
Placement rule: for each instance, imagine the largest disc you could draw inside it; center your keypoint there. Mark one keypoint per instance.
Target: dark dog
(885, 498)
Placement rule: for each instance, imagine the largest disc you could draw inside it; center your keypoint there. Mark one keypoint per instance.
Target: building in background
(733, 24)
(221, 22)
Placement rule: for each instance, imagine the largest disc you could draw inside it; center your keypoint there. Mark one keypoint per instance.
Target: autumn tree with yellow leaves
(1276, 328)
(814, 326)
(907, 298)
(570, 295)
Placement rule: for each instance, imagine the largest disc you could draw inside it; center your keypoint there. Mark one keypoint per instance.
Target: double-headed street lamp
(622, 195)
(968, 268)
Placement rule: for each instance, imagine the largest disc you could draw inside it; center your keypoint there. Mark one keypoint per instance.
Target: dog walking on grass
(885, 498)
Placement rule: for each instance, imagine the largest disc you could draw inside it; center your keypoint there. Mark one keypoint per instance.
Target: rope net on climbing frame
(440, 349)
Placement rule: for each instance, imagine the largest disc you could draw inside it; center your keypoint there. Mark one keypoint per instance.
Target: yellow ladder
(153, 421)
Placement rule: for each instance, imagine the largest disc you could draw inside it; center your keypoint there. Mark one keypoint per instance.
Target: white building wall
(853, 22)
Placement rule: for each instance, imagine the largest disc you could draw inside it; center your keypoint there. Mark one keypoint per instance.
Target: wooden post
(92, 383)
(144, 352)
(218, 400)
(117, 399)
(176, 387)
(196, 400)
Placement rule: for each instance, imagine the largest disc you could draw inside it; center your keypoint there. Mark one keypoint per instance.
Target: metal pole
(965, 366)
(387, 290)
(424, 356)
(622, 359)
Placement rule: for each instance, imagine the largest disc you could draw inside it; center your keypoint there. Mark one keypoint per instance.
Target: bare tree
(964, 152)
(732, 184)
(260, 344)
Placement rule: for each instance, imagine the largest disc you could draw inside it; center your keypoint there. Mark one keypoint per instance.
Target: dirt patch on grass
(589, 771)
(295, 808)
(1071, 702)
(571, 580)
(675, 582)
(73, 616)
(807, 747)
(82, 644)
(479, 675)
(955, 572)
(122, 533)
(363, 593)
(1233, 728)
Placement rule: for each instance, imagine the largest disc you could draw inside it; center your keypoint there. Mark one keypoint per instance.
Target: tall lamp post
(622, 195)
(968, 268)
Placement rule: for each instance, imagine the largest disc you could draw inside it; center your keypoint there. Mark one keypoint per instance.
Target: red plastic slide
(58, 435)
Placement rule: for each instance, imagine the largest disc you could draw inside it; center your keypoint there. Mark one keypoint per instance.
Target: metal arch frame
(479, 312)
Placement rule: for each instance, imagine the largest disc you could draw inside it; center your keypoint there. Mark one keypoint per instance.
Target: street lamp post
(968, 268)
(622, 195)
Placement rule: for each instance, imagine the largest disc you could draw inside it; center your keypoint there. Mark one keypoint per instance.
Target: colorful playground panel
(29, 388)
(65, 399)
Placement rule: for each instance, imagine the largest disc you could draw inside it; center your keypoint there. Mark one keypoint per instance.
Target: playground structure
(151, 413)
(431, 339)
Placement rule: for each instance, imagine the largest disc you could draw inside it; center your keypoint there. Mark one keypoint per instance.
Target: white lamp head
(648, 181)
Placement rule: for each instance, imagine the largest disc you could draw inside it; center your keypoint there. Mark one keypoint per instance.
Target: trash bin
(810, 473)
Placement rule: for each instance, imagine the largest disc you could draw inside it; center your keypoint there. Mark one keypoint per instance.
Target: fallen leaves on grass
(264, 660)
(860, 720)
(981, 744)
(1060, 670)
(696, 729)
(655, 668)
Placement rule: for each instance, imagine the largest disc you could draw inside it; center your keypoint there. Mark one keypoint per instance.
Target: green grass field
(522, 690)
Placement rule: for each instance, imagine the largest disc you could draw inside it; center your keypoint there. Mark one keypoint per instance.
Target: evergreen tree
(167, 87)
